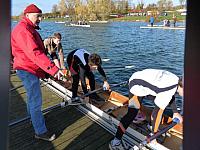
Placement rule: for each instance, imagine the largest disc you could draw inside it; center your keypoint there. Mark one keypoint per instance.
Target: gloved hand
(106, 86)
(178, 116)
(58, 74)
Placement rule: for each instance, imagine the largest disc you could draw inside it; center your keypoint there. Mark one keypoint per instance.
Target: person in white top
(81, 65)
(162, 86)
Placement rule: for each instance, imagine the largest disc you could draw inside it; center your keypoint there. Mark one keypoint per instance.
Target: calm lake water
(124, 43)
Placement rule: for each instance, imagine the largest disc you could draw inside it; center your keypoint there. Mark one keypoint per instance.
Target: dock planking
(74, 130)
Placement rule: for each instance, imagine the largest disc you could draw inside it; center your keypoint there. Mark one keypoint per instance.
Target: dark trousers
(76, 78)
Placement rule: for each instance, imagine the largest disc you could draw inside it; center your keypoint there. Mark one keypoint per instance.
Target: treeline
(90, 9)
(102, 9)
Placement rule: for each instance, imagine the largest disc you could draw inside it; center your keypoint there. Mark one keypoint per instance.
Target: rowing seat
(118, 99)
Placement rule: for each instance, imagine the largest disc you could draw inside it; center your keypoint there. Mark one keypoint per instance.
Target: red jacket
(28, 50)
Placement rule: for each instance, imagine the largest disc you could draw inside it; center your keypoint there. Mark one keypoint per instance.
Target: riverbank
(125, 18)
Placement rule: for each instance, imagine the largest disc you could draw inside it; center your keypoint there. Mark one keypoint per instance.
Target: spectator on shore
(168, 23)
(151, 20)
(164, 22)
(174, 20)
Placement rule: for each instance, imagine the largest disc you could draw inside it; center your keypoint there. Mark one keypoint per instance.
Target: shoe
(139, 118)
(76, 100)
(117, 146)
(154, 145)
(46, 136)
(149, 127)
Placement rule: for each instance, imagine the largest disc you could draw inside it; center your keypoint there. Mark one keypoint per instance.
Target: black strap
(150, 86)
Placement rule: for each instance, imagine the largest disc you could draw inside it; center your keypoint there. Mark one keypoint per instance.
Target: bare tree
(55, 8)
(70, 4)
(81, 10)
(104, 8)
(151, 6)
(164, 4)
(182, 3)
(121, 6)
(91, 4)
(62, 7)
(113, 7)
(169, 4)
(140, 5)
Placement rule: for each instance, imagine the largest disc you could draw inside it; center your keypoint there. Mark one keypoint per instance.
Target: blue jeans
(34, 100)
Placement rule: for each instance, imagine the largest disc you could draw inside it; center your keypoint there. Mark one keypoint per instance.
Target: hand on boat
(178, 116)
(106, 86)
(59, 74)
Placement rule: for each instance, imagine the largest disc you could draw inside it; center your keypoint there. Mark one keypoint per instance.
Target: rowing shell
(108, 114)
(163, 27)
(76, 25)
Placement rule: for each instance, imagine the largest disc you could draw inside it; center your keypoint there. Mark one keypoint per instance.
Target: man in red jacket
(31, 63)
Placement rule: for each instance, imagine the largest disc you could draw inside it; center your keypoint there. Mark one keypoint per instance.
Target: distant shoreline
(111, 20)
(121, 19)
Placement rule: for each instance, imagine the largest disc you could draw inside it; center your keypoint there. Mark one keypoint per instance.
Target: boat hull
(163, 27)
(76, 25)
(109, 113)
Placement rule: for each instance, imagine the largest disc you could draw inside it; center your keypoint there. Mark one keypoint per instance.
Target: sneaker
(76, 100)
(139, 118)
(46, 136)
(117, 146)
(150, 128)
(155, 145)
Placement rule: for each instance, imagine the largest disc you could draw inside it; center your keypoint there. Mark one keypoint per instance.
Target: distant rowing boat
(60, 21)
(79, 25)
(98, 21)
(163, 27)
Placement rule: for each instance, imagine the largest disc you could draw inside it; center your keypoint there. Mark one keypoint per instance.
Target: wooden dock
(74, 131)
